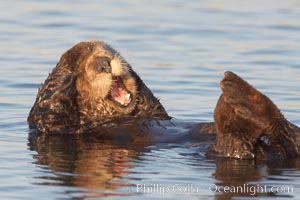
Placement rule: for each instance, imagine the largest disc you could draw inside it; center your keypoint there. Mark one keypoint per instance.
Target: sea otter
(94, 91)
(91, 84)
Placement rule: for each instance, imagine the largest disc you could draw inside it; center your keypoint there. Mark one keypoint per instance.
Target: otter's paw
(244, 150)
(233, 147)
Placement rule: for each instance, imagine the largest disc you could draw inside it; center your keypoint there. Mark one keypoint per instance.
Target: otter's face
(106, 76)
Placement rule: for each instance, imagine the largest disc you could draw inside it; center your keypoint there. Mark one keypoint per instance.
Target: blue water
(180, 49)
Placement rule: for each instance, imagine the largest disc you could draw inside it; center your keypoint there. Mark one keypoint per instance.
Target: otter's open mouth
(119, 93)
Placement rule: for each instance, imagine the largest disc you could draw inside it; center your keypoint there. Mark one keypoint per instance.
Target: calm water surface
(180, 49)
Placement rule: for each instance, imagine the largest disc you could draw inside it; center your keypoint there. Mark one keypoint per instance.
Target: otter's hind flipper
(242, 112)
(247, 102)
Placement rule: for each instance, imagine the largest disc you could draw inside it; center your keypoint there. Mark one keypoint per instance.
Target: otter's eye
(102, 64)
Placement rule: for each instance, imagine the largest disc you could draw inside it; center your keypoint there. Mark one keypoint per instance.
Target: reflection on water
(180, 49)
(94, 166)
(99, 161)
(99, 168)
(247, 178)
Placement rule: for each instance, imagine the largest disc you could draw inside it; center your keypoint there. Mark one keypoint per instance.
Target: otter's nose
(103, 64)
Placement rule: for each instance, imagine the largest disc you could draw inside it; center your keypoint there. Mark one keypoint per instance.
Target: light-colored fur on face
(97, 85)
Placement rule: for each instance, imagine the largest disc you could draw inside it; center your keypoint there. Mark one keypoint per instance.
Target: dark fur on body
(77, 97)
(60, 108)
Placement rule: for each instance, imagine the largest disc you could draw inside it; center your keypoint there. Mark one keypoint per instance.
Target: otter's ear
(55, 108)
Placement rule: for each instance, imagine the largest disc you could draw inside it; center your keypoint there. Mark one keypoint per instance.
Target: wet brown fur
(69, 102)
(249, 124)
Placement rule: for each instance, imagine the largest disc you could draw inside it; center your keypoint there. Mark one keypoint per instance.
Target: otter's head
(90, 85)
(105, 77)
(108, 87)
